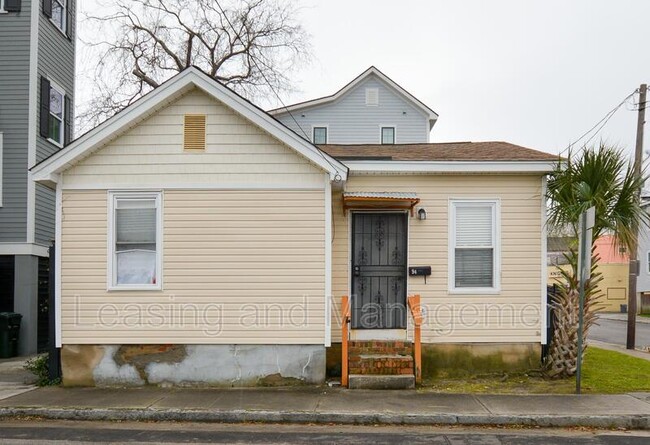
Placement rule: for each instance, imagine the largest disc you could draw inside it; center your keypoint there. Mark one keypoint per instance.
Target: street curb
(636, 422)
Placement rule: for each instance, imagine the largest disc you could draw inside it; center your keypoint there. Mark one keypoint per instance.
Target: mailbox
(420, 271)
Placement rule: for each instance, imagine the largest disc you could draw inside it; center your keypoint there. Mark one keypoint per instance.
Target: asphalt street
(37, 432)
(615, 332)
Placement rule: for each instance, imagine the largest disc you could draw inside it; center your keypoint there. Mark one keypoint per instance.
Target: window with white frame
(9, 6)
(648, 261)
(135, 240)
(474, 242)
(320, 135)
(59, 14)
(57, 113)
(387, 135)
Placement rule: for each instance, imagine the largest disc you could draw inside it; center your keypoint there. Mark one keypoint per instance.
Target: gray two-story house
(37, 63)
(371, 109)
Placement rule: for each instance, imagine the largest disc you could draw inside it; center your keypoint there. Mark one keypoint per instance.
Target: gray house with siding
(37, 61)
(371, 109)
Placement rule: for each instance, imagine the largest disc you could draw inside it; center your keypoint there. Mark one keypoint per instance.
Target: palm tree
(600, 177)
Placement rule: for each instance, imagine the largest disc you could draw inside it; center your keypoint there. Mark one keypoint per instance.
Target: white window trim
(64, 23)
(381, 131)
(2, 7)
(496, 232)
(327, 132)
(113, 196)
(57, 87)
(647, 259)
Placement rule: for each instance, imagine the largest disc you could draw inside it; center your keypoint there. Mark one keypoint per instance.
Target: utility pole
(634, 251)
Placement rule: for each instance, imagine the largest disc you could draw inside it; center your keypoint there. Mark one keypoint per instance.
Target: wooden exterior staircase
(381, 364)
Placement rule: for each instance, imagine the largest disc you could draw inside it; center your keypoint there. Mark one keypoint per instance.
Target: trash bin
(9, 332)
(624, 309)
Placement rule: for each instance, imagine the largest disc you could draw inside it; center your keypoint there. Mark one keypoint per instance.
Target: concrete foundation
(462, 359)
(192, 365)
(468, 359)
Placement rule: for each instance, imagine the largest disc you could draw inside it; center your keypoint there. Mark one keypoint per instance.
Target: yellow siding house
(200, 241)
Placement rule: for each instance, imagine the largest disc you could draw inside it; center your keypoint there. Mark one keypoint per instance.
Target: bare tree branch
(251, 46)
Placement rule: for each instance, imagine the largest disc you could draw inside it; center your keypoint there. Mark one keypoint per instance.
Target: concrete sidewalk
(330, 405)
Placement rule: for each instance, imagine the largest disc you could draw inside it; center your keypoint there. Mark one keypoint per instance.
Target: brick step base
(374, 364)
(380, 347)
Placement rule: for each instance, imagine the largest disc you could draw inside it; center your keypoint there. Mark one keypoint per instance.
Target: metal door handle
(357, 271)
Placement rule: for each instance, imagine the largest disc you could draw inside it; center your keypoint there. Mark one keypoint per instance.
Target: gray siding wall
(56, 61)
(643, 281)
(351, 121)
(14, 103)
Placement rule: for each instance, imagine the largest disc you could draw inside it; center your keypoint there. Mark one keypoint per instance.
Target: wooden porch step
(357, 381)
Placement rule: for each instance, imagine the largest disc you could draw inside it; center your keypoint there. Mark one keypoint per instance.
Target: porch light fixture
(422, 214)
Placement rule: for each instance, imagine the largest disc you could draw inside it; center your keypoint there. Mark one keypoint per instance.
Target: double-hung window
(60, 14)
(55, 113)
(474, 241)
(320, 135)
(387, 135)
(9, 6)
(135, 240)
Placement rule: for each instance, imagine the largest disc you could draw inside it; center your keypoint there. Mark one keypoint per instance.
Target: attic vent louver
(194, 132)
(372, 96)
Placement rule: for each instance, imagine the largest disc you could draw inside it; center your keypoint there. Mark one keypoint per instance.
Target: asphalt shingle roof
(445, 151)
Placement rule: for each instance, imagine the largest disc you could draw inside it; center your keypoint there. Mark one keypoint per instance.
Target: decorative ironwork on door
(379, 252)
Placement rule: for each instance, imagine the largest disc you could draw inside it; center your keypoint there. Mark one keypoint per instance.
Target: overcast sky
(534, 73)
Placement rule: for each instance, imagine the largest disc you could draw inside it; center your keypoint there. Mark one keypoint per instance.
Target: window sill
(134, 287)
(53, 142)
(59, 29)
(474, 291)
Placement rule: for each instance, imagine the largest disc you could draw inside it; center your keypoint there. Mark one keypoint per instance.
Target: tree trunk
(563, 353)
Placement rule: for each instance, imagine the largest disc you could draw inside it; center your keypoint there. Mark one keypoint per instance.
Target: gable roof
(47, 170)
(433, 116)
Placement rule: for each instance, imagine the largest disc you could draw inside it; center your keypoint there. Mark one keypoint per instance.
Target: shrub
(39, 366)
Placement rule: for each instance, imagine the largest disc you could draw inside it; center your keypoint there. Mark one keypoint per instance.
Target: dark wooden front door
(379, 253)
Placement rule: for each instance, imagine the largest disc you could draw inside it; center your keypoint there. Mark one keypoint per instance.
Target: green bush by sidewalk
(39, 366)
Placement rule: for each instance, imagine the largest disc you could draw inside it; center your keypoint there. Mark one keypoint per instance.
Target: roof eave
(414, 167)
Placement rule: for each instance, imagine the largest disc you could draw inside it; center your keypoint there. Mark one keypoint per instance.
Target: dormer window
(320, 135)
(387, 135)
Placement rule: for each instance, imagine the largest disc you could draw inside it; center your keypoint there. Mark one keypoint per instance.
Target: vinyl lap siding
(237, 153)
(56, 61)
(451, 317)
(45, 211)
(352, 122)
(256, 256)
(14, 103)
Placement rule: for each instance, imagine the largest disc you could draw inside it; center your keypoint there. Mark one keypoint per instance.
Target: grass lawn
(604, 372)
(644, 315)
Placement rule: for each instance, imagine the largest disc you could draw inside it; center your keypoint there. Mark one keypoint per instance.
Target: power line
(337, 177)
(601, 123)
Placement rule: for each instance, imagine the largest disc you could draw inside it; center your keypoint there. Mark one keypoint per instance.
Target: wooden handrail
(345, 310)
(414, 306)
